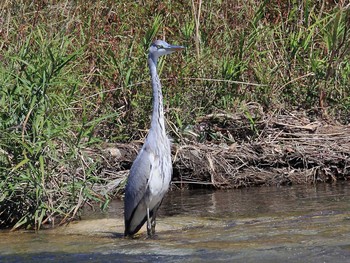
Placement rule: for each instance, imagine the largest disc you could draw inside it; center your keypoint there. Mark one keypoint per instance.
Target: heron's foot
(151, 231)
(152, 236)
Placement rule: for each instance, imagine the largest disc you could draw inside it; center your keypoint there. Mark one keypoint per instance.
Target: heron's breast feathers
(160, 173)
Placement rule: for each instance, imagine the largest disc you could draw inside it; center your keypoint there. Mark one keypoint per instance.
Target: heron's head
(160, 48)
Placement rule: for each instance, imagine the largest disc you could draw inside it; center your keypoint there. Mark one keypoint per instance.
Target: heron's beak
(175, 48)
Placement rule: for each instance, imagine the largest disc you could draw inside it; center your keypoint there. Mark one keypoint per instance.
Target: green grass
(73, 75)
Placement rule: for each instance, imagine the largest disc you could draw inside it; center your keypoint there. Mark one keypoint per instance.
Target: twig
(196, 15)
(25, 123)
(295, 80)
(309, 127)
(228, 81)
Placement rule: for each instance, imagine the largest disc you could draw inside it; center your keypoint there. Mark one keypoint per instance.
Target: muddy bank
(231, 151)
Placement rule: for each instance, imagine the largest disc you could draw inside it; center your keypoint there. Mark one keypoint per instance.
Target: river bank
(281, 149)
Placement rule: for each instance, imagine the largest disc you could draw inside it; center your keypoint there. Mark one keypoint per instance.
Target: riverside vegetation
(74, 78)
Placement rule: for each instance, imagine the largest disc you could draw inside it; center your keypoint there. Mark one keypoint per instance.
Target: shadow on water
(267, 224)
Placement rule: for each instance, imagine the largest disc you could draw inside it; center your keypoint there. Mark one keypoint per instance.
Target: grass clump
(43, 171)
(73, 75)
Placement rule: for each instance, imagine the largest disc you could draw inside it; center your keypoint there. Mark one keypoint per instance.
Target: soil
(231, 151)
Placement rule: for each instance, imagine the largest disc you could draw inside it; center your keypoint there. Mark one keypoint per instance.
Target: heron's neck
(157, 123)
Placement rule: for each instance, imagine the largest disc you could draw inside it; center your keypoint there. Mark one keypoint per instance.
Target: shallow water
(267, 224)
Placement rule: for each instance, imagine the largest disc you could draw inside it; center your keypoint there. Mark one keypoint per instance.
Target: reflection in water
(266, 224)
(248, 202)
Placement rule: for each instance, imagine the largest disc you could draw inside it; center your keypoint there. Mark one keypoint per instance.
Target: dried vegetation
(288, 148)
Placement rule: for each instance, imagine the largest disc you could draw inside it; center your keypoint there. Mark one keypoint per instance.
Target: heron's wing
(135, 190)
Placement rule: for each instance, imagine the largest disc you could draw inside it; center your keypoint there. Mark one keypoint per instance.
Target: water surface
(264, 224)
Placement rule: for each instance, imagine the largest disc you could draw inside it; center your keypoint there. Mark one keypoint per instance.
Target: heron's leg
(149, 224)
(153, 224)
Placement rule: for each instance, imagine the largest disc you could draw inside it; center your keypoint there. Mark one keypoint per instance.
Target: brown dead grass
(289, 148)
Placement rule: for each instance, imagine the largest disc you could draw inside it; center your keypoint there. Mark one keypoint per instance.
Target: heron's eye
(159, 46)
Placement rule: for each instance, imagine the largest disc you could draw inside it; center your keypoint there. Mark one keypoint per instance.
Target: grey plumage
(151, 171)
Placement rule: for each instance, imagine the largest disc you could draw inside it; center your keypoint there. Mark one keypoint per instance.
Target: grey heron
(150, 173)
